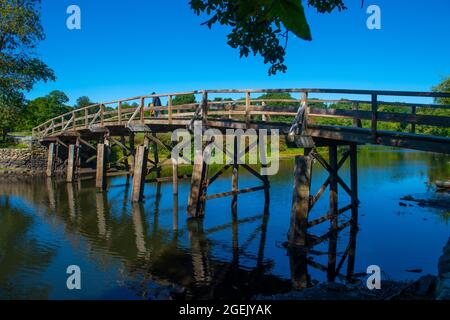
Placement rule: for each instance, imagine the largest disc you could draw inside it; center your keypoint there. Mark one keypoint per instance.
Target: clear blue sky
(129, 48)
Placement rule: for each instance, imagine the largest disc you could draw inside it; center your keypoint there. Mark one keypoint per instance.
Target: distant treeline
(37, 111)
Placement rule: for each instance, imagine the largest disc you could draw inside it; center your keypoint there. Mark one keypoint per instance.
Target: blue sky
(130, 48)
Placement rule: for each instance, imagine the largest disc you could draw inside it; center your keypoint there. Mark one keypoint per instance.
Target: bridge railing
(365, 109)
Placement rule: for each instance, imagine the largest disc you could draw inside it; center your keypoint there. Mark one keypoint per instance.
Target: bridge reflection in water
(188, 255)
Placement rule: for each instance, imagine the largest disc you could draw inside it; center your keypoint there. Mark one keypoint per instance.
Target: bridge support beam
(303, 201)
(199, 184)
(139, 173)
(102, 164)
(51, 159)
(71, 163)
(300, 200)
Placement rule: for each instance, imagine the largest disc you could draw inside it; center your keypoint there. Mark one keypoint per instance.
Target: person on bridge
(156, 102)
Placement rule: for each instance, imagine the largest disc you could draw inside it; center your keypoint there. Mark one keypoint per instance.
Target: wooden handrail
(250, 106)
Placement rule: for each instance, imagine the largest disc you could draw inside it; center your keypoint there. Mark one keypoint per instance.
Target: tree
(183, 99)
(262, 27)
(444, 86)
(42, 109)
(10, 110)
(82, 102)
(20, 31)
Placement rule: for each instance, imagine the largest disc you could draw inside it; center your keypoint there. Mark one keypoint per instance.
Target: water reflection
(235, 253)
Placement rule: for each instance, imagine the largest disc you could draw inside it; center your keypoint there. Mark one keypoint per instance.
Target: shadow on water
(153, 251)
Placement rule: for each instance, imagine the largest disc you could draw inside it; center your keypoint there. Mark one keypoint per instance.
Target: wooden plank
(300, 201)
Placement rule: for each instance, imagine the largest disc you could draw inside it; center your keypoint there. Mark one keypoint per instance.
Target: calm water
(131, 251)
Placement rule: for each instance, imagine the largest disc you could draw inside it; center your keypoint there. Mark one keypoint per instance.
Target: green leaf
(292, 14)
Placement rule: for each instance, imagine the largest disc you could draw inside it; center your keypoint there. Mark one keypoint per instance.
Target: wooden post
(119, 113)
(71, 163)
(333, 185)
(374, 118)
(199, 184)
(247, 108)
(175, 177)
(102, 162)
(332, 246)
(169, 107)
(142, 110)
(86, 118)
(140, 171)
(51, 159)
(102, 114)
(356, 120)
(156, 157)
(132, 151)
(235, 175)
(300, 201)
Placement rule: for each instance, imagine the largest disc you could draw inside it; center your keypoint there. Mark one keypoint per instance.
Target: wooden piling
(51, 160)
(199, 184)
(175, 177)
(235, 176)
(71, 163)
(332, 245)
(300, 201)
(140, 171)
(333, 159)
(354, 181)
(102, 162)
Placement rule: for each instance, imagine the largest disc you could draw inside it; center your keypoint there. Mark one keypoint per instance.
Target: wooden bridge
(77, 138)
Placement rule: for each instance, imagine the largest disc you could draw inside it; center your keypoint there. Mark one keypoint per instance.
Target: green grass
(20, 133)
(13, 145)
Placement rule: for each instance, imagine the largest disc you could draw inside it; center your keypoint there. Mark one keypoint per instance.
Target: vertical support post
(374, 117)
(332, 247)
(333, 158)
(356, 120)
(169, 107)
(305, 114)
(175, 177)
(119, 113)
(156, 157)
(205, 108)
(102, 114)
(132, 151)
(86, 118)
(247, 108)
(413, 125)
(142, 110)
(199, 183)
(71, 163)
(235, 175)
(140, 170)
(51, 156)
(102, 162)
(300, 201)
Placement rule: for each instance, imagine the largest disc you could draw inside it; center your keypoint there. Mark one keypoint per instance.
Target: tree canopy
(20, 69)
(183, 99)
(262, 27)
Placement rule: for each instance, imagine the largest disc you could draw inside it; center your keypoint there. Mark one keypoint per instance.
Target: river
(133, 251)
